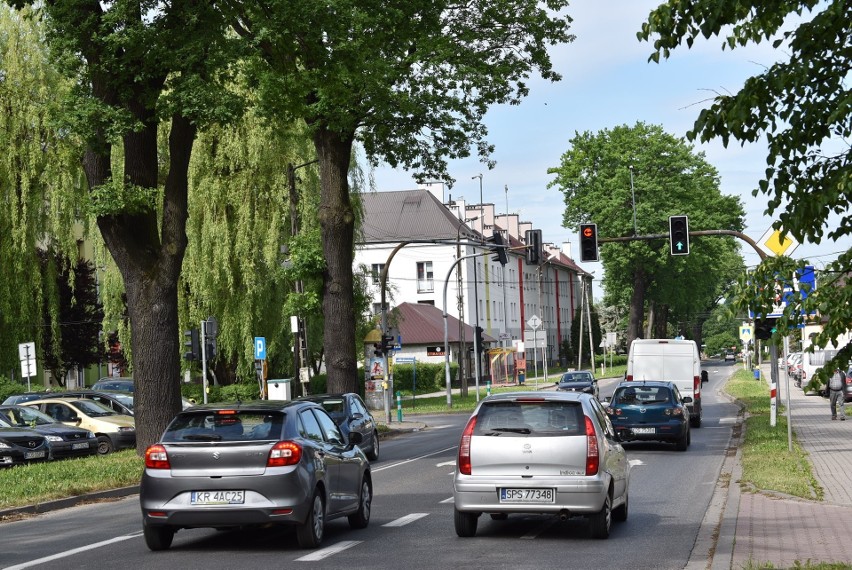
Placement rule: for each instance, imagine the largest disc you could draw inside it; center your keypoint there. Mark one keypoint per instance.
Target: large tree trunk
(661, 322)
(337, 222)
(149, 252)
(637, 306)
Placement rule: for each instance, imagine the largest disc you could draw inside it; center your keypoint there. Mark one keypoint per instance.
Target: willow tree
(39, 184)
(135, 65)
(668, 178)
(411, 80)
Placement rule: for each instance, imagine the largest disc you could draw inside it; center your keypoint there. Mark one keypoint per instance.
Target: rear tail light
(696, 383)
(463, 463)
(156, 457)
(284, 453)
(673, 412)
(592, 452)
(613, 411)
(629, 378)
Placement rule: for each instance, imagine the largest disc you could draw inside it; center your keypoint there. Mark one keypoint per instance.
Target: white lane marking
(328, 551)
(403, 462)
(406, 519)
(635, 462)
(445, 463)
(73, 551)
(540, 529)
(728, 420)
(450, 500)
(444, 426)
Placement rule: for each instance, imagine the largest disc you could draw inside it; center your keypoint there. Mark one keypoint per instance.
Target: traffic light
(478, 332)
(387, 344)
(764, 328)
(210, 348)
(193, 347)
(679, 235)
(589, 242)
(533, 250)
(498, 246)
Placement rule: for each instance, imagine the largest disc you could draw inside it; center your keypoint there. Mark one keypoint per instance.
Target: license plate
(527, 495)
(217, 497)
(33, 454)
(643, 430)
(81, 445)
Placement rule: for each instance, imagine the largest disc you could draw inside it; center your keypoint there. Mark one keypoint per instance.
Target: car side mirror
(687, 399)
(357, 416)
(355, 438)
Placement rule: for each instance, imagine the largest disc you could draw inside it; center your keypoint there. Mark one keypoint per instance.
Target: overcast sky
(607, 82)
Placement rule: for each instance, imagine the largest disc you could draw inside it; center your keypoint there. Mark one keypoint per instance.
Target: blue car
(650, 411)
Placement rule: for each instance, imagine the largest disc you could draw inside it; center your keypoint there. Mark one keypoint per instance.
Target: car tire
(465, 523)
(158, 537)
(104, 445)
(373, 455)
(601, 522)
(695, 421)
(309, 534)
(619, 514)
(683, 441)
(361, 517)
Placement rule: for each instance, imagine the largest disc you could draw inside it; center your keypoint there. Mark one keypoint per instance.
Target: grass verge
(767, 462)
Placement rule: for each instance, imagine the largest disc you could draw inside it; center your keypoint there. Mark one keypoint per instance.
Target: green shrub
(10, 388)
(430, 377)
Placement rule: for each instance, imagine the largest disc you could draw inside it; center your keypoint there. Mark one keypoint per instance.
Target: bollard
(487, 388)
(757, 373)
(398, 406)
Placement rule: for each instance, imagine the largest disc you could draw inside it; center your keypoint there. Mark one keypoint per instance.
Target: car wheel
(374, 451)
(361, 517)
(158, 537)
(465, 523)
(601, 522)
(104, 445)
(619, 514)
(499, 516)
(309, 534)
(683, 441)
(695, 421)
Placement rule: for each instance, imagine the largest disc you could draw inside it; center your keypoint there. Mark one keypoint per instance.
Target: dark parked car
(351, 414)
(650, 411)
(27, 397)
(19, 445)
(116, 384)
(65, 441)
(259, 463)
(579, 381)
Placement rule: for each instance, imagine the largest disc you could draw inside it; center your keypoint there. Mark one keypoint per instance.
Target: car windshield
(548, 418)
(576, 377)
(224, 425)
(643, 395)
(24, 417)
(93, 409)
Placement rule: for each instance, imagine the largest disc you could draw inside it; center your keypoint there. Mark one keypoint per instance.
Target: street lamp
(480, 187)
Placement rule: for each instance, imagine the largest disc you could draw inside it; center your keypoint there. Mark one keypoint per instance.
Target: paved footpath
(784, 530)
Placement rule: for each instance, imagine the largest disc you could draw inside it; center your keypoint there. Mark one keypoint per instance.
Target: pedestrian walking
(835, 393)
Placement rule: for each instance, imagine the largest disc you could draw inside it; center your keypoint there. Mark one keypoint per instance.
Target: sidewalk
(758, 528)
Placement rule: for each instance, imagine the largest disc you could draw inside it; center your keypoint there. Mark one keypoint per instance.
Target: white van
(675, 361)
(812, 362)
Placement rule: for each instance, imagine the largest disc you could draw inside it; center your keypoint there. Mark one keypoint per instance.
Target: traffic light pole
(734, 233)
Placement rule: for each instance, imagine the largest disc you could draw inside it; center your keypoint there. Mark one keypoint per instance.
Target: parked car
(27, 397)
(579, 381)
(650, 411)
(730, 355)
(119, 402)
(351, 414)
(65, 441)
(540, 452)
(257, 463)
(113, 431)
(19, 445)
(116, 384)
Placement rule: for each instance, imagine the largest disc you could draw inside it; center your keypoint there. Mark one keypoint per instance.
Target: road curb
(67, 502)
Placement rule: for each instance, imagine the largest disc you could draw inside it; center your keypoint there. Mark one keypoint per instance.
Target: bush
(430, 377)
(10, 388)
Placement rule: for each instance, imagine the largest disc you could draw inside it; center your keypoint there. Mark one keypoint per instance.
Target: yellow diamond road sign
(745, 332)
(772, 243)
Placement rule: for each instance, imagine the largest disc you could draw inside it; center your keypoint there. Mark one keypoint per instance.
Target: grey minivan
(544, 453)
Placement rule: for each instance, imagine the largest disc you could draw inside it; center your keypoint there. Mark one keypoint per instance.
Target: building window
(377, 272)
(425, 283)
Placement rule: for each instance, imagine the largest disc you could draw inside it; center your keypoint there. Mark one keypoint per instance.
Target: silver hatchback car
(540, 452)
(254, 463)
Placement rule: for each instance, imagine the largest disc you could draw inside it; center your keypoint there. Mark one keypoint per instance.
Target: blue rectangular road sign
(260, 348)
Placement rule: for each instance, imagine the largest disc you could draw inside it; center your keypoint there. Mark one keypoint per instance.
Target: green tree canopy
(600, 175)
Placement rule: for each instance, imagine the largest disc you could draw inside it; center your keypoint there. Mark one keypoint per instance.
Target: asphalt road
(412, 522)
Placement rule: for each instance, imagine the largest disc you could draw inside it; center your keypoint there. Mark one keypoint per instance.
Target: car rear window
(224, 425)
(641, 395)
(541, 418)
